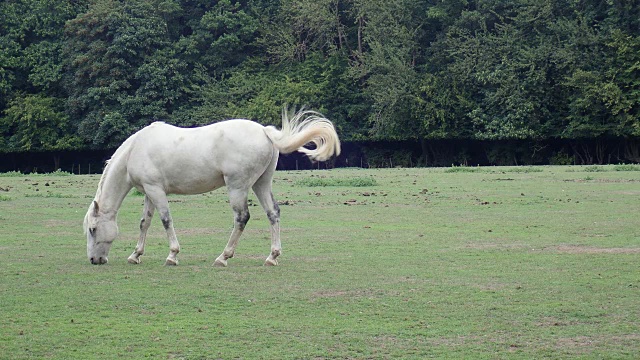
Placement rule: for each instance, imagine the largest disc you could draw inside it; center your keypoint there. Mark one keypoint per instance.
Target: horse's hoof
(271, 262)
(171, 262)
(133, 260)
(220, 263)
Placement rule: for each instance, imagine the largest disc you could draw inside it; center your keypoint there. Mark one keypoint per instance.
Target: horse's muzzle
(98, 261)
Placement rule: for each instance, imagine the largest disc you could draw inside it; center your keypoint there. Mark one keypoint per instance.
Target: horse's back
(196, 160)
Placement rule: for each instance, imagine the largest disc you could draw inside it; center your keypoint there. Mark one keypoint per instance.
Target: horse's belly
(193, 184)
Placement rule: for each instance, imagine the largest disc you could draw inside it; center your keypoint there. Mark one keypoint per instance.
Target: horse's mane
(121, 151)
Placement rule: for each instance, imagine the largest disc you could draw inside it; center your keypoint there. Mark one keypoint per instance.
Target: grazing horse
(163, 159)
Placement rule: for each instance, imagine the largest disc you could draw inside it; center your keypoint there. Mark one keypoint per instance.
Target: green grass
(136, 192)
(494, 264)
(604, 168)
(12, 174)
(464, 169)
(626, 167)
(344, 182)
(501, 169)
(522, 169)
(19, 174)
(595, 168)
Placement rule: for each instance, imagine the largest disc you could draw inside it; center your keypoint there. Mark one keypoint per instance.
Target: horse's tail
(301, 128)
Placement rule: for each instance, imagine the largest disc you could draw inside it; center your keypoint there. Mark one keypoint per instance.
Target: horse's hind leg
(238, 201)
(262, 188)
(145, 222)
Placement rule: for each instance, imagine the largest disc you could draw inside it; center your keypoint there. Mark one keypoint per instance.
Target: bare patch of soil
(585, 342)
(344, 293)
(202, 231)
(495, 246)
(584, 249)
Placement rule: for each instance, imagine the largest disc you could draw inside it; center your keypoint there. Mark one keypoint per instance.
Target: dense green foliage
(86, 74)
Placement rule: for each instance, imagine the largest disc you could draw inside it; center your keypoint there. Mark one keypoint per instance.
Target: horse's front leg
(238, 200)
(145, 222)
(159, 198)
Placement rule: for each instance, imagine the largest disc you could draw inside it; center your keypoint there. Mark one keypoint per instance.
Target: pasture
(505, 262)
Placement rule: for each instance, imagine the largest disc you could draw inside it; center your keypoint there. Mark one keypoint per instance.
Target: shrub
(626, 167)
(465, 169)
(349, 182)
(12, 174)
(561, 158)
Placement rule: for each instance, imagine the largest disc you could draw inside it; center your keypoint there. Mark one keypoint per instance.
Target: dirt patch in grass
(549, 321)
(588, 342)
(250, 256)
(309, 258)
(575, 342)
(362, 293)
(584, 249)
(603, 181)
(566, 249)
(496, 246)
(330, 294)
(202, 231)
(627, 192)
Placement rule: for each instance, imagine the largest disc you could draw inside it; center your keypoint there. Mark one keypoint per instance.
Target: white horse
(163, 159)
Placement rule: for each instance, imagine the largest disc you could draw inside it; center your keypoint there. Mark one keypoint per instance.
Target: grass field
(495, 263)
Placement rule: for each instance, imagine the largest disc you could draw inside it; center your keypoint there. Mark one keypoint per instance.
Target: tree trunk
(425, 151)
(56, 162)
(360, 25)
(632, 150)
(341, 37)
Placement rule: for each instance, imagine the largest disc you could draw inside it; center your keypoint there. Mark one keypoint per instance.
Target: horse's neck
(115, 187)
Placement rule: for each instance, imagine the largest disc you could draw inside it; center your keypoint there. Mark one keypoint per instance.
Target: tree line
(85, 74)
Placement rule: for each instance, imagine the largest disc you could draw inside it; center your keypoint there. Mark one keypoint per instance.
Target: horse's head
(101, 230)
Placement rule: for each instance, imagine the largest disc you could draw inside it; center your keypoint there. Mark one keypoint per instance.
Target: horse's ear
(96, 208)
